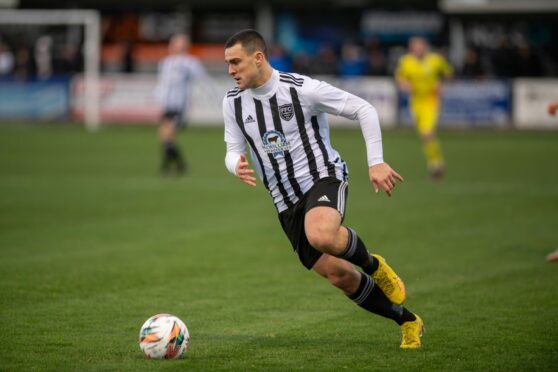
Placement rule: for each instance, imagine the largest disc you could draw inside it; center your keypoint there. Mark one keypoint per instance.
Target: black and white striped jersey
(285, 124)
(174, 76)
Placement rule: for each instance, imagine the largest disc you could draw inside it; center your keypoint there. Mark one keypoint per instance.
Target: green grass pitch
(93, 242)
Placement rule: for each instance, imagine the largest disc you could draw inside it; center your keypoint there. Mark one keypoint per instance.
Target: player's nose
(232, 71)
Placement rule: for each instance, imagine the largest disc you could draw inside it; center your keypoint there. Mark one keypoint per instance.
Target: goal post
(91, 21)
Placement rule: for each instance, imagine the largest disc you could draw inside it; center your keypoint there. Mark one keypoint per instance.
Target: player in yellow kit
(419, 74)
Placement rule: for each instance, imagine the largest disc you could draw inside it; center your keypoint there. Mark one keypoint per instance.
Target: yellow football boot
(389, 282)
(412, 332)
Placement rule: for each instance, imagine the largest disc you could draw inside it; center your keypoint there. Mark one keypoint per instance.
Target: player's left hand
(382, 176)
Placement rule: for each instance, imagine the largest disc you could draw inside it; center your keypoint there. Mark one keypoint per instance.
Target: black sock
(371, 298)
(168, 151)
(178, 158)
(168, 155)
(357, 254)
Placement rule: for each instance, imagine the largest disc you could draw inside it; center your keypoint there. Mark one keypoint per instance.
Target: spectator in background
(528, 61)
(549, 58)
(43, 57)
(127, 57)
(375, 58)
(6, 60)
(23, 64)
(504, 59)
(419, 74)
(352, 61)
(279, 58)
(68, 60)
(472, 65)
(302, 63)
(325, 62)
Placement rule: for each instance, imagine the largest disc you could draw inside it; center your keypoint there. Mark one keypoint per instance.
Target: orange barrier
(113, 53)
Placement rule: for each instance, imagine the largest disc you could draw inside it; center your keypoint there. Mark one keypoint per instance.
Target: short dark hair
(250, 40)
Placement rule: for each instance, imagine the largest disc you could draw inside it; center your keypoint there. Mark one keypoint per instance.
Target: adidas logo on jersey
(324, 198)
(249, 119)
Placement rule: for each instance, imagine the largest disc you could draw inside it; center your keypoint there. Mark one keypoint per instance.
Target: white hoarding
(380, 92)
(530, 100)
(127, 98)
(130, 99)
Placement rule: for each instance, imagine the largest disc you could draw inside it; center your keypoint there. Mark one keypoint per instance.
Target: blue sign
(469, 103)
(34, 100)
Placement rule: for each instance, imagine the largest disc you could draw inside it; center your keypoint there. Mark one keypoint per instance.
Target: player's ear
(259, 58)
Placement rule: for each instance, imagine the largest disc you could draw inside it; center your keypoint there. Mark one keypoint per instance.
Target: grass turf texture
(93, 242)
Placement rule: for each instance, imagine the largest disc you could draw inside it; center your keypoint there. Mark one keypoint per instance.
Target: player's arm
(327, 98)
(235, 159)
(445, 71)
(381, 175)
(160, 87)
(401, 77)
(200, 74)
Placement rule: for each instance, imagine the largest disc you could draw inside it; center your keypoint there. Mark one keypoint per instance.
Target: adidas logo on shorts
(324, 198)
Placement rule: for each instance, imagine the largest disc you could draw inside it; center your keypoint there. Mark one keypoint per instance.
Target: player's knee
(321, 238)
(427, 136)
(166, 131)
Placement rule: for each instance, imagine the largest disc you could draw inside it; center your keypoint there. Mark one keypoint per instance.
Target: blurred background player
(176, 71)
(419, 73)
(552, 108)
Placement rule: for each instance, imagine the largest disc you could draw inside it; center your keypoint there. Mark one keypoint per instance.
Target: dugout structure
(90, 20)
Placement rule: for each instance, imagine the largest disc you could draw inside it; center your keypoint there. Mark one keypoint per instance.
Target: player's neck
(268, 87)
(264, 77)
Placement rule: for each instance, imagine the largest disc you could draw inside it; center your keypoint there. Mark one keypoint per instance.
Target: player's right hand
(245, 173)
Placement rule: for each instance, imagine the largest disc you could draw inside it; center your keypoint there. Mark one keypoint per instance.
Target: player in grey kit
(176, 72)
(283, 118)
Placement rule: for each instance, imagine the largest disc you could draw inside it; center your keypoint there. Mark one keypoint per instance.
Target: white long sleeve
(236, 144)
(358, 109)
(234, 150)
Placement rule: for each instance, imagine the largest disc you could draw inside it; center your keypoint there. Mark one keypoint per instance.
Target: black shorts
(327, 192)
(176, 118)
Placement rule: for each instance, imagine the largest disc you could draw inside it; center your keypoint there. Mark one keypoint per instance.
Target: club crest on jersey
(286, 111)
(275, 143)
